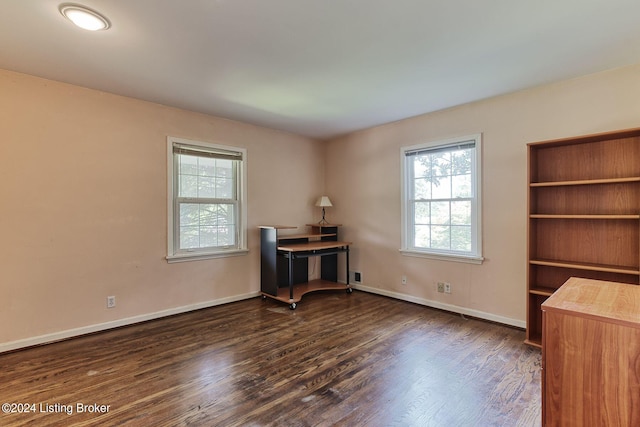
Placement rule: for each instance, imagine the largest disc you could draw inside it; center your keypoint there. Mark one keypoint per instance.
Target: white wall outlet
(404, 280)
(447, 288)
(111, 301)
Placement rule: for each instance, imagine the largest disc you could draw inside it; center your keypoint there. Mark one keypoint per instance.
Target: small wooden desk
(295, 248)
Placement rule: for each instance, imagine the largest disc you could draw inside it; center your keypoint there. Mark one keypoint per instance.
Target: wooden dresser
(591, 354)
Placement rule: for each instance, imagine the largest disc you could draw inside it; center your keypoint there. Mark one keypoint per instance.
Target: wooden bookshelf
(583, 215)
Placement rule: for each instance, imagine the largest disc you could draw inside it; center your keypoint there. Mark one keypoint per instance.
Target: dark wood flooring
(338, 360)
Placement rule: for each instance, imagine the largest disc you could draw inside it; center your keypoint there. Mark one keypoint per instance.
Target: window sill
(468, 259)
(196, 256)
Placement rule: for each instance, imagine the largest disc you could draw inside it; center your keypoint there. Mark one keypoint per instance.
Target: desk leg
(347, 254)
(290, 275)
(292, 305)
(349, 289)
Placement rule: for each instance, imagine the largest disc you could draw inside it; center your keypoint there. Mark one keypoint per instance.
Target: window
(206, 207)
(441, 200)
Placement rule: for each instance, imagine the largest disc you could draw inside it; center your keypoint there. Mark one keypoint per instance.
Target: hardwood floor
(347, 360)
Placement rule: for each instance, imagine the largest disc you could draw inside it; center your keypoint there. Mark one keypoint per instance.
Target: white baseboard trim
(442, 306)
(70, 333)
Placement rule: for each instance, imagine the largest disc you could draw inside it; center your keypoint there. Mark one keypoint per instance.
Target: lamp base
(323, 221)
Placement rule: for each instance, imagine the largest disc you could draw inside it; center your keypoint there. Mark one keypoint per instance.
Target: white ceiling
(320, 68)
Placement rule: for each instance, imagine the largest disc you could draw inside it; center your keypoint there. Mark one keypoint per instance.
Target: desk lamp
(323, 202)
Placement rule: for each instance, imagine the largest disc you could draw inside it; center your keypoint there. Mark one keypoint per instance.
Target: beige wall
(83, 188)
(83, 200)
(363, 181)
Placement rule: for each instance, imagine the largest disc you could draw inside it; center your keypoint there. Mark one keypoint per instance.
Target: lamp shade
(324, 201)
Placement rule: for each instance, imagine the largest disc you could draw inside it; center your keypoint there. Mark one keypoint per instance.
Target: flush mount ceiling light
(84, 17)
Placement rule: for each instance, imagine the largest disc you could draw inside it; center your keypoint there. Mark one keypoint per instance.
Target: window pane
(421, 166)
(226, 214)
(224, 168)
(440, 213)
(208, 214)
(440, 237)
(187, 186)
(206, 187)
(461, 238)
(461, 162)
(461, 212)
(208, 237)
(188, 165)
(226, 235)
(189, 237)
(189, 214)
(422, 236)
(422, 189)
(441, 188)
(441, 164)
(225, 188)
(461, 186)
(206, 166)
(421, 214)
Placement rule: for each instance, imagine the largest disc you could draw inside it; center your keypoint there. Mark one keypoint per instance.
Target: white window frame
(174, 254)
(407, 246)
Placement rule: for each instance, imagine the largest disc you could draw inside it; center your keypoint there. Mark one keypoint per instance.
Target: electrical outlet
(447, 288)
(357, 277)
(441, 287)
(404, 280)
(111, 301)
